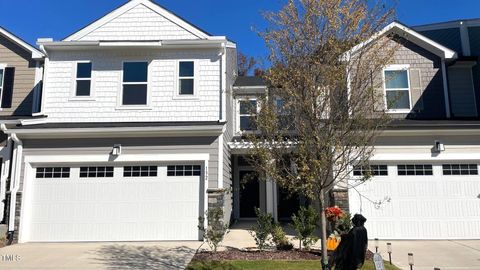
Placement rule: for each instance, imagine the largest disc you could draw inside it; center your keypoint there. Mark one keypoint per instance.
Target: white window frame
(238, 101)
(2, 67)
(73, 95)
(409, 89)
(195, 77)
(147, 106)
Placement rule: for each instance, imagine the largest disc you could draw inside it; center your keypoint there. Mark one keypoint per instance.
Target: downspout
(14, 182)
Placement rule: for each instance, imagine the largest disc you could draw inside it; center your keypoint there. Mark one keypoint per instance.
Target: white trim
(220, 161)
(73, 93)
(69, 159)
(130, 5)
(424, 157)
(409, 89)
(2, 82)
(223, 89)
(148, 83)
(36, 54)
(38, 87)
(411, 35)
(6, 155)
(196, 70)
(237, 112)
(465, 39)
(446, 89)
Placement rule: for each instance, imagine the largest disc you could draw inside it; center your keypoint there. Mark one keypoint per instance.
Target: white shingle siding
(107, 84)
(139, 23)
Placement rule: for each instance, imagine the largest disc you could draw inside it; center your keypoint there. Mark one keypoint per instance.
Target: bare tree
(245, 64)
(323, 110)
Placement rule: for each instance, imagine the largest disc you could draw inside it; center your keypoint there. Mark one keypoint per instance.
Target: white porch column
(271, 197)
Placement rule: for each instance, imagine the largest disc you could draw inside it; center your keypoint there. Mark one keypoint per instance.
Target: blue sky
(31, 19)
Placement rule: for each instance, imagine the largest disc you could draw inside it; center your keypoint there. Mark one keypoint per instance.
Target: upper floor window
(83, 80)
(397, 88)
(135, 83)
(186, 77)
(7, 75)
(247, 114)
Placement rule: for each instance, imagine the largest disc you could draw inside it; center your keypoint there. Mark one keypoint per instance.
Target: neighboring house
(141, 132)
(426, 183)
(20, 89)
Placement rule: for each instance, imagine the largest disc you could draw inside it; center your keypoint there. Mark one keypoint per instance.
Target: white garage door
(106, 203)
(420, 201)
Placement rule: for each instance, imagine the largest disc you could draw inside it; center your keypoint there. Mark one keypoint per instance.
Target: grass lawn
(270, 265)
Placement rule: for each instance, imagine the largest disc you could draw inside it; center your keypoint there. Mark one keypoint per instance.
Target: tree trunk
(323, 228)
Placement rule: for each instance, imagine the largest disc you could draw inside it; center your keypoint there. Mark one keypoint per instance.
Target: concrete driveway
(446, 255)
(105, 256)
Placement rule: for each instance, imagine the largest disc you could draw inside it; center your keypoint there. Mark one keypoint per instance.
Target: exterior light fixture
(439, 146)
(410, 260)
(389, 250)
(117, 150)
(376, 245)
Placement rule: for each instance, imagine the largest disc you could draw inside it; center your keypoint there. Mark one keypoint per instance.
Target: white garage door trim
(32, 161)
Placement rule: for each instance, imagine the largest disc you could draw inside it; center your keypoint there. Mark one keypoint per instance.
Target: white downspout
(15, 176)
(7, 158)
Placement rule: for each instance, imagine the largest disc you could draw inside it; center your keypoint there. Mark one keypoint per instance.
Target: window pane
(248, 107)
(398, 99)
(186, 69)
(83, 88)
(1, 77)
(135, 72)
(84, 70)
(396, 79)
(135, 94)
(247, 123)
(186, 86)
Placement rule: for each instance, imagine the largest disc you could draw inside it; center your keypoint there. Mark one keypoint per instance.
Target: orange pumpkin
(332, 243)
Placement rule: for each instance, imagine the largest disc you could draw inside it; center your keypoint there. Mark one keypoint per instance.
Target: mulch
(235, 255)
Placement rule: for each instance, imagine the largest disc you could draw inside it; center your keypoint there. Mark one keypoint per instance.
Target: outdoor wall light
(389, 250)
(439, 146)
(376, 245)
(117, 150)
(410, 260)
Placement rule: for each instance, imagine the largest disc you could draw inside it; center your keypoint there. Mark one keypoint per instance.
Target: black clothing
(350, 254)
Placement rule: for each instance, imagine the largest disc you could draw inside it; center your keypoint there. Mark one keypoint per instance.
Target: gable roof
(194, 30)
(36, 54)
(412, 36)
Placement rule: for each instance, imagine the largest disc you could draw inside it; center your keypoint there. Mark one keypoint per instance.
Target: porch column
(271, 197)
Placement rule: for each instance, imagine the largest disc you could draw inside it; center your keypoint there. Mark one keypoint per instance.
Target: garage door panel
(114, 208)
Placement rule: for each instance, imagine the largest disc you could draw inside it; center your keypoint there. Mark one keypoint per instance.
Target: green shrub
(344, 224)
(262, 230)
(215, 229)
(305, 224)
(280, 239)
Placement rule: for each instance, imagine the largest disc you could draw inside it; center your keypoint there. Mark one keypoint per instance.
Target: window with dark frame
(83, 80)
(374, 170)
(140, 171)
(184, 170)
(415, 170)
(248, 114)
(93, 172)
(186, 77)
(397, 88)
(460, 169)
(53, 172)
(135, 83)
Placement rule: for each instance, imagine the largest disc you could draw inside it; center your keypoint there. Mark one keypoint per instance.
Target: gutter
(15, 181)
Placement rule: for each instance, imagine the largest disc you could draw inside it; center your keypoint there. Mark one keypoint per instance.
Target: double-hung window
(135, 83)
(397, 88)
(186, 78)
(247, 114)
(83, 80)
(7, 76)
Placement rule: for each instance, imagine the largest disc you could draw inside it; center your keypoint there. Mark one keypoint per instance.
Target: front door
(249, 194)
(288, 204)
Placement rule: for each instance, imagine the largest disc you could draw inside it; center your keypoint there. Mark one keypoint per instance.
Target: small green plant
(280, 239)
(262, 230)
(215, 229)
(305, 224)
(344, 224)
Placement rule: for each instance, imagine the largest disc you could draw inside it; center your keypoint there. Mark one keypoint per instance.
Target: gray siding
(129, 146)
(462, 97)
(474, 35)
(15, 56)
(449, 38)
(429, 103)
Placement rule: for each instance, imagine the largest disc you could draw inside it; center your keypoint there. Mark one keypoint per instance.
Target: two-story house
(426, 183)
(142, 120)
(20, 85)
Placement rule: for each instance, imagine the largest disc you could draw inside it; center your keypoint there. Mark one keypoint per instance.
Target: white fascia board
(45, 159)
(128, 6)
(36, 54)
(410, 35)
(166, 44)
(192, 131)
(420, 132)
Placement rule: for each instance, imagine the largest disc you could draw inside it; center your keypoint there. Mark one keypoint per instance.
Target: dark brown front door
(249, 194)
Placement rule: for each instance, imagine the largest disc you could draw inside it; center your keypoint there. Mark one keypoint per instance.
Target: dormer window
(186, 78)
(83, 80)
(135, 83)
(397, 88)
